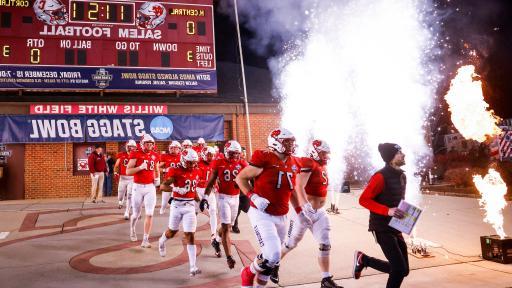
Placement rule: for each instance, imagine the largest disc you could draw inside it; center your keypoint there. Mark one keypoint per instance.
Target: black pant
(243, 205)
(394, 248)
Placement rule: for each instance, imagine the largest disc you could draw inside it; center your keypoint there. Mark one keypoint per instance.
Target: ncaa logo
(161, 127)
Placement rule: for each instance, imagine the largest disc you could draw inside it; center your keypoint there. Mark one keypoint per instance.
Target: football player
(186, 144)
(312, 182)
(226, 170)
(273, 172)
(124, 187)
(168, 161)
(184, 179)
(143, 165)
(200, 146)
(205, 166)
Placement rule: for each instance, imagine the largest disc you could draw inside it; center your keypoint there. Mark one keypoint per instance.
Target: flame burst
(493, 190)
(470, 113)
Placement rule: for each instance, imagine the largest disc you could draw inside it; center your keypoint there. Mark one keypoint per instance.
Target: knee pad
(324, 250)
(264, 266)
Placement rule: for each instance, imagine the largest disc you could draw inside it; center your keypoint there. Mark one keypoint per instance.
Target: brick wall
(49, 171)
(49, 166)
(261, 125)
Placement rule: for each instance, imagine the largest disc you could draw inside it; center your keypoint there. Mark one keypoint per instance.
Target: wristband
(298, 209)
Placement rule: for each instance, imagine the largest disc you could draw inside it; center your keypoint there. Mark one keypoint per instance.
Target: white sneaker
(126, 216)
(133, 236)
(161, 247)
(145, 244)
(194, 271)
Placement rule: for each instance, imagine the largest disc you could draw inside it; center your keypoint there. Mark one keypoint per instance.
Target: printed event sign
(101, 128)
(74, 109)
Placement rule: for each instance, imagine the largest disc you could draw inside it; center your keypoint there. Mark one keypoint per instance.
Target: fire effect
(470, 113)
(493, 190)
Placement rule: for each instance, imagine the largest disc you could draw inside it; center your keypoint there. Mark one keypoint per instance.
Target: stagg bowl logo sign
(102, 78)
(99, 128)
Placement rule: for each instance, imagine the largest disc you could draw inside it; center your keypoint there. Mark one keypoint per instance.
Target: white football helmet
(319, 151)
(146, 138)
(282, 141)
(150, 15)
(51, 12)
(186, 144)
(174, 147)
(208, 150)
(130, 145)
(201, 141)
(174, 144)
(189, 158)
(232, 150)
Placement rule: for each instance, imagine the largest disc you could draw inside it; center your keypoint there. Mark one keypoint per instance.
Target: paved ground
(66, 242)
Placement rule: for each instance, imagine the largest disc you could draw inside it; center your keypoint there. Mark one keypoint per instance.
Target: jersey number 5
(288, 177)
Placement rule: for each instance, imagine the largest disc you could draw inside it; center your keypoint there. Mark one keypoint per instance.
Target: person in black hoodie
(382, 196)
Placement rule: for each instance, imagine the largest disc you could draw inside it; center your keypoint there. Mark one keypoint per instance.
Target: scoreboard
(118, 45)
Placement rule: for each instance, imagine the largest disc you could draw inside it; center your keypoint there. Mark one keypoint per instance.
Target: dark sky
(481, 25)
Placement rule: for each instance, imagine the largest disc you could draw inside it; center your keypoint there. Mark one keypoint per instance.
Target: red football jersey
(277, 180)
(318, 180)
(170, 160)
(123, 157)
(226, 172)
(151, 158)
(205, 169)
(198, 149)
(184, 178)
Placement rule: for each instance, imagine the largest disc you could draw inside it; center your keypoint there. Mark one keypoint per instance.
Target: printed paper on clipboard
(412, 214)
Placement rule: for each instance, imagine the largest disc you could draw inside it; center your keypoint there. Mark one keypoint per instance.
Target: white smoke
(352, 70)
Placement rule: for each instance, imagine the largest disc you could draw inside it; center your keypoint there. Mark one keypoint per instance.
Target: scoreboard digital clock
(102, 12)
(119, 45)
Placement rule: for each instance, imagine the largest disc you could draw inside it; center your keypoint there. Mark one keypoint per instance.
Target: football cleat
(126, 216)
(145, 244)
(327, 282)
(161, 247)
(235, 229)
(194, 271)
(120, 205)
(274, 276)
(133, 235)
(216, 246)
(231, 262)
